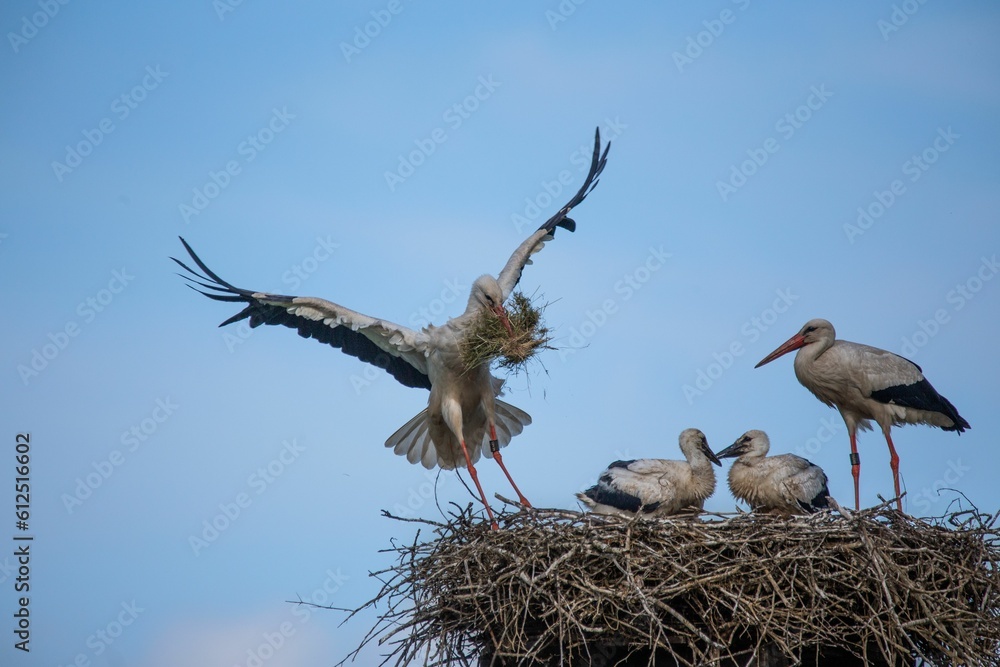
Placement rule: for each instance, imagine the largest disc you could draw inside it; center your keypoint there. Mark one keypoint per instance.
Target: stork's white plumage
(656, 487)
(463, 415)
(865, 383)
(784, 483)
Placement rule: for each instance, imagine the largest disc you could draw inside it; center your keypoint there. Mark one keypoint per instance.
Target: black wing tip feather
(922, 395)
(612, 497)
(352, 343)
(597, 163)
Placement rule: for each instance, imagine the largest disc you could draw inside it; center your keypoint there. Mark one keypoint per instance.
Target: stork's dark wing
(511, 273)
(397, 349)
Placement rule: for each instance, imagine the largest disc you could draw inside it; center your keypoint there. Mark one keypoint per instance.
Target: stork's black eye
(490, 299)
(808, 330)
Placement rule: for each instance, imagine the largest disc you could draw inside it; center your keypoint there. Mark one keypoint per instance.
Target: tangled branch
(556, 586)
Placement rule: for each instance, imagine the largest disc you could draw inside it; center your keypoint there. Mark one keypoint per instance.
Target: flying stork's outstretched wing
(397, 349)
(511, 273)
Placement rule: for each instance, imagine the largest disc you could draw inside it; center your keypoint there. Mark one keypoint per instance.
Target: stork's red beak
(501, 312)
(793, 343)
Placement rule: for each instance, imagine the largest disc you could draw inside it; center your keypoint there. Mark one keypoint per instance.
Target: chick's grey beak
(710, 454)
(734, 449)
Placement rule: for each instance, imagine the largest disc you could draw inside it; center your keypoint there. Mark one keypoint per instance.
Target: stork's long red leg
(495, 450)
(856, 470)
(894, 464)
(475, 478)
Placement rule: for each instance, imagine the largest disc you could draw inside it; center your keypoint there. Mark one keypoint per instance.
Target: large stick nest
(557, 587)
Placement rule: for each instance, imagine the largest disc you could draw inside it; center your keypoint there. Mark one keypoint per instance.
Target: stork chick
(656, 487)
(784, 483)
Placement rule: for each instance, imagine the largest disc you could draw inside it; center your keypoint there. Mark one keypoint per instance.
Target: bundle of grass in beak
(488, 338)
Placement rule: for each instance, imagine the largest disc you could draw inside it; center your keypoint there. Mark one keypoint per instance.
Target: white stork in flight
(866, 383)
(656, 487)
(463, 416)
(784, 483)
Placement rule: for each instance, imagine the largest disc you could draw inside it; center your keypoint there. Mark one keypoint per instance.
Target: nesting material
(488, 340)
(560, 587)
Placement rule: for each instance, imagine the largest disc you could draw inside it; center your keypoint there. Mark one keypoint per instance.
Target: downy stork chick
(656, 487)
(784, 483)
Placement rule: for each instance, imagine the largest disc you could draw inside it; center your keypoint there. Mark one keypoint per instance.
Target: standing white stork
(656, 487)
(463, 416)
(866, 383)
(783, 483)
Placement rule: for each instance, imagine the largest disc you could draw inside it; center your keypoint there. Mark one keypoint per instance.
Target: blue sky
(769, 164)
